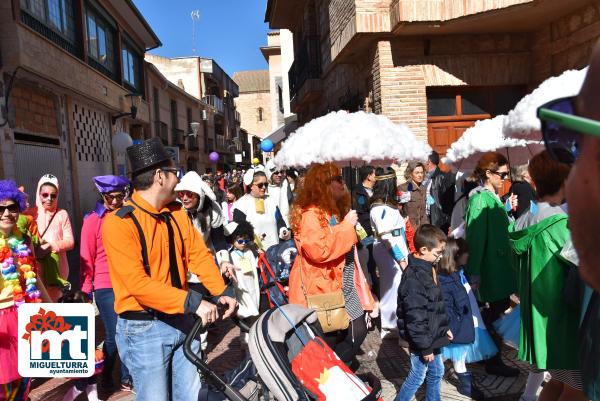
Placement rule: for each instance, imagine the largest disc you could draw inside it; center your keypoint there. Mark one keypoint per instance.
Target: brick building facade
(437, 65)
(66, 73)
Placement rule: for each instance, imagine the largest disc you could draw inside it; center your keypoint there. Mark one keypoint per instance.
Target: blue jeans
(153, 351)
(421, 371)
(105, 300)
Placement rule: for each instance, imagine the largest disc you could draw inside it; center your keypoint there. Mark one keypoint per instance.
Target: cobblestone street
(384, 358)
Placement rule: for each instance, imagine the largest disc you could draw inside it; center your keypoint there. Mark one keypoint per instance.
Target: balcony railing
(71, 46)
(179, 136)
(214, 102)
(161, 131)
(306, 65)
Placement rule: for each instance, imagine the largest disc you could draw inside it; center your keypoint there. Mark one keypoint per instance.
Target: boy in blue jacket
(422, 318)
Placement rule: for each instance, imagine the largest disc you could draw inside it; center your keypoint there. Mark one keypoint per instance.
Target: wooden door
(441, 135)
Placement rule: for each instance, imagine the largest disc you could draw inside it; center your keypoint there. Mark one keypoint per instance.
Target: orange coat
(322, 253)
(134, 289)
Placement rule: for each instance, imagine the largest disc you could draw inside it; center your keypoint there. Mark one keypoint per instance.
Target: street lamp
(134, 100)
(195, 127)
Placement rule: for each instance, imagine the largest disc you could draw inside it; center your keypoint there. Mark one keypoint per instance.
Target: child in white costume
(244, 257)
(390, 249)
(267, 214)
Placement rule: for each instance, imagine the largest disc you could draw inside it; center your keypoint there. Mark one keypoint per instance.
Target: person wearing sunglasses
(265, 212)
(573, 124)
(490, 262)
(151, 244)
(327, 261)
(56, 235)
(243, 254)
(279, 187)
(17, 260)
(93, 271)
(200, 203)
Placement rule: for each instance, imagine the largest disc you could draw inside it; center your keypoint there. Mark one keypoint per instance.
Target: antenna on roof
(195, 16)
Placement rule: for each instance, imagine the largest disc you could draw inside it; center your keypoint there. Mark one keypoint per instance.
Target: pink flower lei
(17, 268)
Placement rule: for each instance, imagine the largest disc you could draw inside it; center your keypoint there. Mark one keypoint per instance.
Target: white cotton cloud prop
(343, 138)
(486, 136)
(522, 121)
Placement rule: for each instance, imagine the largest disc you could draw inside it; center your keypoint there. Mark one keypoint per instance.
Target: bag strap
(50, 222)
(301, 278)
(128, 211)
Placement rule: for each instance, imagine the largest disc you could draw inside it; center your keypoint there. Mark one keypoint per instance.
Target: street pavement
(386, 359)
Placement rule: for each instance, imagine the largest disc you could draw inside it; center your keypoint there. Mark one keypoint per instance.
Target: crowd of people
(451, 265)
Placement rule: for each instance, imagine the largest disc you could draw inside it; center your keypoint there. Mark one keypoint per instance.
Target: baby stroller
(282, 345)
(275, 265)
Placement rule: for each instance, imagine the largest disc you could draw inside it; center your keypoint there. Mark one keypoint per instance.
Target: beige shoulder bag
(330, 307)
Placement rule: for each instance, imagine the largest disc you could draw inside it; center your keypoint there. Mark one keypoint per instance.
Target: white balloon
(121, 141)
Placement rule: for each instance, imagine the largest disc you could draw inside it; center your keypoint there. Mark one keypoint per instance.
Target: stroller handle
(210, 376)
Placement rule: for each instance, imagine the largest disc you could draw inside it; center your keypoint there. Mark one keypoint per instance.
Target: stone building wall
(247, 104)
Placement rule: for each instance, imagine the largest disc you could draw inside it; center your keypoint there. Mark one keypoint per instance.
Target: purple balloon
(214, 157)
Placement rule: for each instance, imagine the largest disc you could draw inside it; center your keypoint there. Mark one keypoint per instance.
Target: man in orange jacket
(151, 244)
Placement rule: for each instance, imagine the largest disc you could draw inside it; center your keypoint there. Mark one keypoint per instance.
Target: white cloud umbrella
(522, 121)
(345, 138)
(486, 136)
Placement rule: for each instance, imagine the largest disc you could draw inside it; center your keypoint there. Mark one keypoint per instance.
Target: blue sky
(229, 31)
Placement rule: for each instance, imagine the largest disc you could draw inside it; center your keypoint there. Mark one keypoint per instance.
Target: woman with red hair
(327, 261)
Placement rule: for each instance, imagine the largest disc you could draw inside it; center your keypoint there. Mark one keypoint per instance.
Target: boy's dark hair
(364, 172)
(429, 236)
(144, 180)
(434, 157)
(244, 229)
(74, 297)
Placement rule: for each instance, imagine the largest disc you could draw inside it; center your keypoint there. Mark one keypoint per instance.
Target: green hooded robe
(490, 255)
(548, 324)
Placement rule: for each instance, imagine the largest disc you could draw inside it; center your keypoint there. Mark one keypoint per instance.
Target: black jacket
(458, 308)
(443, 188)
(361, 203)
(422, 319)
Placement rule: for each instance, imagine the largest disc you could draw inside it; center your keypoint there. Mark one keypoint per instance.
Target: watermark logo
(56, 340)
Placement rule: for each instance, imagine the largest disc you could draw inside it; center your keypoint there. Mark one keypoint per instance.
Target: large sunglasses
(261, 185)
(503, 175)
(13, 208)
(243, 241)
(562, 129)
(178, 173)
(110, 198)
(46, 195)
(183, 194)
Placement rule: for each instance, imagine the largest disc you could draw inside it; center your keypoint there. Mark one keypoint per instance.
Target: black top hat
(146, 155)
